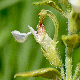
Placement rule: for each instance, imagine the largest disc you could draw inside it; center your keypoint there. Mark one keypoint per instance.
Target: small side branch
(76, 71)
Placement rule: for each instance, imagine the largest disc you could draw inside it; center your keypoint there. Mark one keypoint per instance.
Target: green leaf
(50, 73)
(51, 4)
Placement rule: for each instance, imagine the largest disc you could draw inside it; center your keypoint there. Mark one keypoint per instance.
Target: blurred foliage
(21, 57)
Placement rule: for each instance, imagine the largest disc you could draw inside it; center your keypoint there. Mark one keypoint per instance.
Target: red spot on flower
(41, 24)
(41, 29)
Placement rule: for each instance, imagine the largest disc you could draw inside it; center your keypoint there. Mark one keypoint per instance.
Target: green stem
(68, 63)
(62, 72)
(76, 71)
(68, 9)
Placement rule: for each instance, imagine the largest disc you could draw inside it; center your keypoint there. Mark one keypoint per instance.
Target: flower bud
(70, 40)
(48, 47)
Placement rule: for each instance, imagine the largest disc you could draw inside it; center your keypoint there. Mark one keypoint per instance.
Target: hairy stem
(76, 71)
(68, 63)
(62, 72)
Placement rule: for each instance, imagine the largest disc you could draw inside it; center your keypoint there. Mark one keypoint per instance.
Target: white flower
(33, 31)
(76, 5)
(20, 37)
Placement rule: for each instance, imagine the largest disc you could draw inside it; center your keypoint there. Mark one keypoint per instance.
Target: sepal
(71, 40)
(50, 73)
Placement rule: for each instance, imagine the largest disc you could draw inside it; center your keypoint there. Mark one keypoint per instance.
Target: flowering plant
(48, 45)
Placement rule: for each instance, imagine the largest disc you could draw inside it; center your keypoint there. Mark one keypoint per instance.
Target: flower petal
(20, 37)
(36, 36)
(33, 31)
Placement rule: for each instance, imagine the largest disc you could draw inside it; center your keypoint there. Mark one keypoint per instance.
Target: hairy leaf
(50, 73)
(52, 4)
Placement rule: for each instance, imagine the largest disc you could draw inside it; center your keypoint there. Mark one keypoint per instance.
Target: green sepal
(71, 40)
(56, 24)
(50, 73)
(52, 56)
(48, 47)
(49, 50)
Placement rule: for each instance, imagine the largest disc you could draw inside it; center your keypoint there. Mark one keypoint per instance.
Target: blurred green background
(21, 57)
